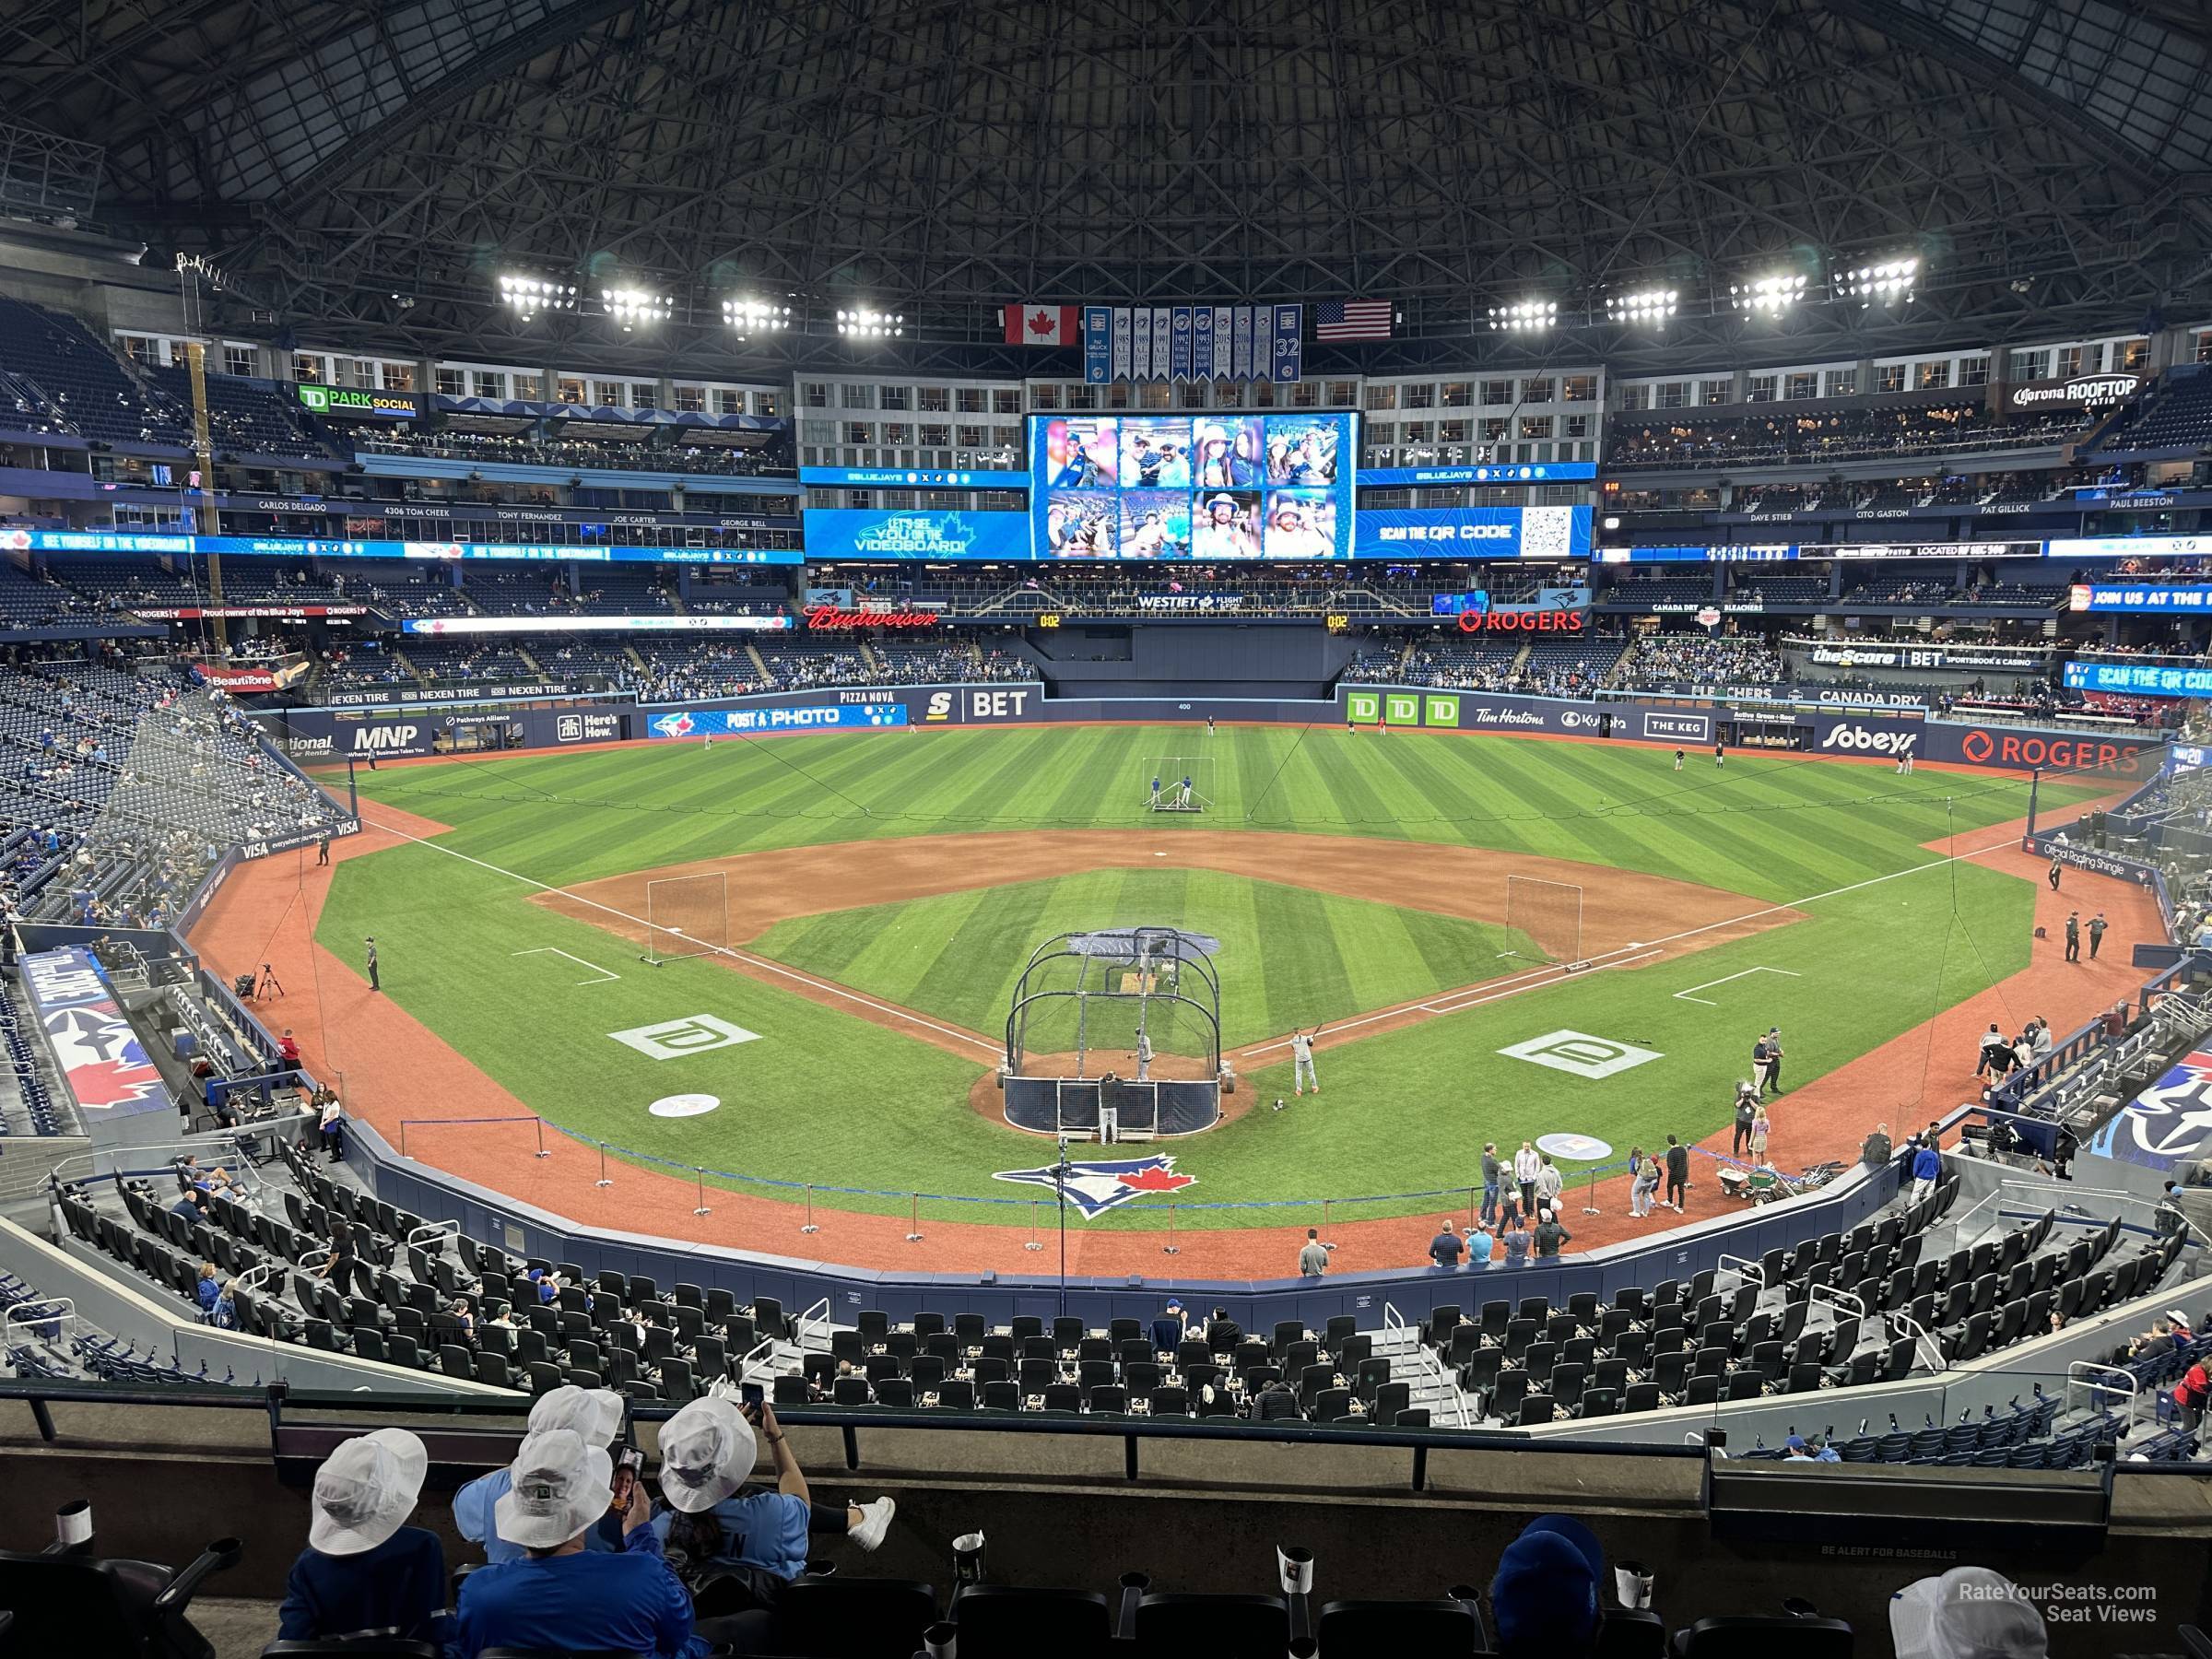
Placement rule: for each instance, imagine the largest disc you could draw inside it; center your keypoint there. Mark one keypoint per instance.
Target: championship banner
(99, 1055)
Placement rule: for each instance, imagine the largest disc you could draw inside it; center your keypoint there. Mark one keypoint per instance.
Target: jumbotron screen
(1231, 486)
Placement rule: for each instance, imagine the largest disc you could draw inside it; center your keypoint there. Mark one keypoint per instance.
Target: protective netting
(154, 782)
(686, 916)
(1548, 914)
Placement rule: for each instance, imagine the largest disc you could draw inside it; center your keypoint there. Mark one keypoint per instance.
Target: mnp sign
(1580, 1053)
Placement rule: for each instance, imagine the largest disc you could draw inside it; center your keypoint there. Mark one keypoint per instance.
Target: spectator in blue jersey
(562, 1594)
(595, 1417)
(365, 1572)
(1169, 1328)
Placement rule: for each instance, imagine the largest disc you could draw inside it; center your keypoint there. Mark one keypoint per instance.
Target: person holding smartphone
(595, 1416)
(562, 1593)
(715, 1526)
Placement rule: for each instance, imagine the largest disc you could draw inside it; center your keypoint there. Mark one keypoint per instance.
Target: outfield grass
(830, 1098)
(1289, 956)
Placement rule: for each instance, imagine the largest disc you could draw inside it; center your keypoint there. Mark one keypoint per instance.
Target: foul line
(1747, 973)
(1651, 948)
(604, 975)
(904, 1014)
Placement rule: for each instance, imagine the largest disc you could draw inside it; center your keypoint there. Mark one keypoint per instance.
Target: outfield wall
(328, 734)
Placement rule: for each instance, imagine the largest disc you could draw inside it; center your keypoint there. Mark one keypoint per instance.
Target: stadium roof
(370, 168)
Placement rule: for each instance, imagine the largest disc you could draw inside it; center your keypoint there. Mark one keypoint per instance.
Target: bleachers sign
(96, 1050)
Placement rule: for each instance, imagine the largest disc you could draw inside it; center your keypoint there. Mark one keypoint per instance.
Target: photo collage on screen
(1231, 486)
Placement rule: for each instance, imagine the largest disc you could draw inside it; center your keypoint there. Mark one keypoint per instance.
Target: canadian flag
(1041, 324)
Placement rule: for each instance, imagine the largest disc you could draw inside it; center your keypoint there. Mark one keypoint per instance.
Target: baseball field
(882, 890)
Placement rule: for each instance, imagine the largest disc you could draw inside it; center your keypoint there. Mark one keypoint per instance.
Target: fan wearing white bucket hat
(365, 1571)
(1967, 1613)
(595, 1414)
(561, 1594)
(707, 1452)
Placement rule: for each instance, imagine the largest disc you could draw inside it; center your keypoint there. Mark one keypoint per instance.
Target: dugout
(1122, 1018)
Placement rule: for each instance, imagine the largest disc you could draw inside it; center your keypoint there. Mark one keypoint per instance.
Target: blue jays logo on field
(673, 725)
(2167, 1122)
(1095, 1188)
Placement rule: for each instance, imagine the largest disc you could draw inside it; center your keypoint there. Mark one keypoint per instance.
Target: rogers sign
(1521, 621)
(830, 619)
(1981, 747)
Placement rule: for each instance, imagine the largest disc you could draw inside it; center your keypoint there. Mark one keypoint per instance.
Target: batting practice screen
(1549, 915)
(686, 916)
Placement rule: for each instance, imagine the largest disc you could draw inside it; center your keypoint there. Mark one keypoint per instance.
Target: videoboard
(1227, 485)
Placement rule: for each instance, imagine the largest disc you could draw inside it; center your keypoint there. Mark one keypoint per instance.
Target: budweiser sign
(830, 619)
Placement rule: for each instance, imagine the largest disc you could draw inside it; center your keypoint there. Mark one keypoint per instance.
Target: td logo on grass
(673, 1039)
(1580, 1054)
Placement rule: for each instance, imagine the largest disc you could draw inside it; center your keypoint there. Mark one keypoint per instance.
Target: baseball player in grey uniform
(1301, 1060)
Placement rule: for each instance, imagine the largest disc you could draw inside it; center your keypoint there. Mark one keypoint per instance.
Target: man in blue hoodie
(1927, 1169)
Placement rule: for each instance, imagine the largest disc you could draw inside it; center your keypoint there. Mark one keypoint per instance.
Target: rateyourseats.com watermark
(2074, 1604)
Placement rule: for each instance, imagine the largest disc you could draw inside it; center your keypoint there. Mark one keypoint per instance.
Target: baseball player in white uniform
(1143, 1056)
(1302, 1061)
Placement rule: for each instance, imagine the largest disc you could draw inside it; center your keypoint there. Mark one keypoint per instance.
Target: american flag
(1352, 320)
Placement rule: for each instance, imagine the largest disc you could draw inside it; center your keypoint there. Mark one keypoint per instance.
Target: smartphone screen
(752, 1394)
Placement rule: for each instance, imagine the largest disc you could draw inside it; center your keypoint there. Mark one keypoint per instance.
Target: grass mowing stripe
(1757, 828)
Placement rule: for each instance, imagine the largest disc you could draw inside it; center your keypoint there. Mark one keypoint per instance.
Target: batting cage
(1547, 915)
(1179, 784)
(686, 916)
(1117, 1034)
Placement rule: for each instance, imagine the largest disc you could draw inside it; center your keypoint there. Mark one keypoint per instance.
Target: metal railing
(2090, 1375)
(1903, 1324)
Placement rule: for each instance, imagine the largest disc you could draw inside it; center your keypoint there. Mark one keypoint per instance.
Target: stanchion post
(700, 1174)
(1169, 1248)
(541, 1137)
(1473, 1208)
(403, 1137)
(913, 1218)
(1034, 1241)
(605, 1178)
(810, 1226)
(1590, 1197)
